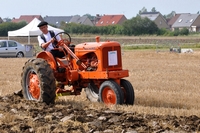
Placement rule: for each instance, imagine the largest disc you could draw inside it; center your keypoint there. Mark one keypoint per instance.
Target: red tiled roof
(27, 18)
(110, 20)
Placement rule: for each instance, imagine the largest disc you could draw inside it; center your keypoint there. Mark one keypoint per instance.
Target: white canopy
(31, 29)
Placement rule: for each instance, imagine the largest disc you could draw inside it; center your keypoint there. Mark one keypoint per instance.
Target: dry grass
(165, 83)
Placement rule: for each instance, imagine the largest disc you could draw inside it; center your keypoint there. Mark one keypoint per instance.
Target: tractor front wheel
(38, 82)
(111, 93)
(129, 95)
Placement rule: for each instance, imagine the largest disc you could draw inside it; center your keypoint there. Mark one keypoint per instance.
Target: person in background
(47, 41)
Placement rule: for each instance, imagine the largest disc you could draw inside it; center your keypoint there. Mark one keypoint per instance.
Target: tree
(184, 31)
(7, 20)
(89, 16)
(142, 10)
(10, 26)
(170, 15)
(139, 26)
(153, 9)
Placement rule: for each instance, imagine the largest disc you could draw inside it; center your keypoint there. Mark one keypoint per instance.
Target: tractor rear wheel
(92, 92)
(111, 93)
(129, 95)
(38, 82)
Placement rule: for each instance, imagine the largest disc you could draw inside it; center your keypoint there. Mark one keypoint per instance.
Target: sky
(130, 8)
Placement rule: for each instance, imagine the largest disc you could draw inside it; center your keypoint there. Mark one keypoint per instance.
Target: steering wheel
(65, 38)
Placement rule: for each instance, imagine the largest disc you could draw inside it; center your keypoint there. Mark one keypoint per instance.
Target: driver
(47, 41)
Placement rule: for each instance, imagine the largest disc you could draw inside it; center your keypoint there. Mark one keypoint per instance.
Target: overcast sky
(130, 8)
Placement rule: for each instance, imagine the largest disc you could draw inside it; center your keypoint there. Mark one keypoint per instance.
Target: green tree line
(135, 26)
(10, 26)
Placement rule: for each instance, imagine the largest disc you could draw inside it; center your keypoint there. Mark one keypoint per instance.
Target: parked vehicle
(11, 48)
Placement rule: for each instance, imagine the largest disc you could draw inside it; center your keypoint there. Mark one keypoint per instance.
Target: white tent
(31, 30)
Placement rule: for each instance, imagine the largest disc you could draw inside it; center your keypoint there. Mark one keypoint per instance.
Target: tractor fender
(49, 58)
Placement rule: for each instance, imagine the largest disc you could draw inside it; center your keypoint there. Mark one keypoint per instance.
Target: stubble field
(166, 99)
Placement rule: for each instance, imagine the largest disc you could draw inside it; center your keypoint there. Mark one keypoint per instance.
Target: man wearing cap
(47, 42)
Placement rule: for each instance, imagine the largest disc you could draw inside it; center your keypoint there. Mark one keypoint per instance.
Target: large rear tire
(92, 92)
(38, 82)
(129, 95)
(111, 93)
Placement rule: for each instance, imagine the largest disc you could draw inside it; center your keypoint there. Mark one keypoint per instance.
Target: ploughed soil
(20, 115)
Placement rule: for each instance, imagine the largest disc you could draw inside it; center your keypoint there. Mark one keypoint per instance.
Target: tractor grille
(109, 65)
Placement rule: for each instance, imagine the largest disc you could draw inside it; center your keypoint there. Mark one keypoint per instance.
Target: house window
(180, 20)
(191, 20)
(101, 22)
(113, 22)
(160, 22)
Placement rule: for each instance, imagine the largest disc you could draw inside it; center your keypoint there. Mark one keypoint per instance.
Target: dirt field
(166, 100)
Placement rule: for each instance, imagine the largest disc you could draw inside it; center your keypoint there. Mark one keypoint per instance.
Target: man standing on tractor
(48, 42)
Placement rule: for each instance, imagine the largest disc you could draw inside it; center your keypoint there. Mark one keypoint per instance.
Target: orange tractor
(94, 66)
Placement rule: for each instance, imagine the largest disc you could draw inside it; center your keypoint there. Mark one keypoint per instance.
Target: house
(81, 20)
(189, 21)
(106, 20)
(157, 17)
(173, 20)
(96, 18)
(57, 20)
(27, 18)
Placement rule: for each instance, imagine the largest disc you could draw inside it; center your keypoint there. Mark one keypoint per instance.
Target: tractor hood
(93, 46)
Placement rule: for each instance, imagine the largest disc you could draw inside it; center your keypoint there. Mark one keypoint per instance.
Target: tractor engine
(100, 56)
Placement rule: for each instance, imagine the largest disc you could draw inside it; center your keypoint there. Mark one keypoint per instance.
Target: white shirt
(48, 37)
